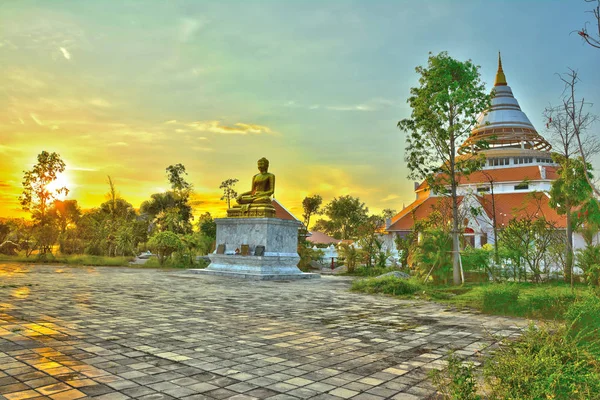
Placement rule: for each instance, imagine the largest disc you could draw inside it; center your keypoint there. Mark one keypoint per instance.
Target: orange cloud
(215, 126)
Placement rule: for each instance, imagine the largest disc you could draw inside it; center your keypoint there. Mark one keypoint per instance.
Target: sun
(61, 181)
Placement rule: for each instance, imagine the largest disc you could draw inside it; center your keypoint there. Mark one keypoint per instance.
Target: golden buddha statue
(257, 201)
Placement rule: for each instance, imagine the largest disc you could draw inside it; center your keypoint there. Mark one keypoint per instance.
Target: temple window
(522, 186)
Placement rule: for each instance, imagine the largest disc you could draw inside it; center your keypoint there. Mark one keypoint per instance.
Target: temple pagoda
(517, 162)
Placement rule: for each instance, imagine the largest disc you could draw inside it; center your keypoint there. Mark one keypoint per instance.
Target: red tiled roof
(418, 210)
(516, 174)
(519, 205)
(508, 206)
(321, 238)
(281, 212)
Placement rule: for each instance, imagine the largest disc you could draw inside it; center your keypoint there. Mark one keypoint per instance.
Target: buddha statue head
(263, 165)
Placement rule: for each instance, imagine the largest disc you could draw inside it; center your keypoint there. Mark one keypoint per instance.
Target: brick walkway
(119, 333)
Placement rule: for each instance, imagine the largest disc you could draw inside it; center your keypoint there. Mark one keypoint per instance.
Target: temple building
(514, 182)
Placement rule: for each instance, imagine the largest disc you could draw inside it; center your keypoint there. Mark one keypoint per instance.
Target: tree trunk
(569, 249)
(455, 240)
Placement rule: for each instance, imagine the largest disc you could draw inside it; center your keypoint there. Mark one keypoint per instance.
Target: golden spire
(500, 78)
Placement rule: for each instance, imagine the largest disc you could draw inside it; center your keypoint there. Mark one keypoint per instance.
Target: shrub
(501, 298)
(475, 259)
(547, 304)
(164, 244)
(589, 261)
(544, 363)
(372, 271)
(583, 323)
(457, 381)
(387, 285)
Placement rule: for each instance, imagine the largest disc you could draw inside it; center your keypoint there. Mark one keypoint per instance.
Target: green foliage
(363, 270)
(386, 285)
(346, 214)
(351, 255)
(311, 206)
(500, 298)
(175, 175)
(164, 244)
(457, 381)
(368, 238)
(307, 255)
(36, 196)
(588, 259)
(526, 241)
(476, 259)
(544, 363)
(229, 192)
(444, 109)
(432, 256)
(583, 323)
(207, 226)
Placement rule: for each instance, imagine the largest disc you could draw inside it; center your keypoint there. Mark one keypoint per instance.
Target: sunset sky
(126, 88)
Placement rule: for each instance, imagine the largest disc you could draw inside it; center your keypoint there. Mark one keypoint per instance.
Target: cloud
(238, 128)
(358, 107)
(98, 102)
(369, 105)
(188, 27)
(391, 197)
(65, 53)
(118, 144)
(36, 119)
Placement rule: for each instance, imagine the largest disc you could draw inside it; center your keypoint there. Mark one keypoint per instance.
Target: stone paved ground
(118, 333)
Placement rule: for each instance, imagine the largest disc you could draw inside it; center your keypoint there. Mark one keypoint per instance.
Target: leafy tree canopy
(346, 214)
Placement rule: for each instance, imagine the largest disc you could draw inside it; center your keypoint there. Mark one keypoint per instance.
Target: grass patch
(549, 361)
(386, 285)
(500, 298)
(75, 259)
(548, 301)
(370, 271)
(172, 263)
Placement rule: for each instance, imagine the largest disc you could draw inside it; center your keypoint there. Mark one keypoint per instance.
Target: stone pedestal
(279, 238)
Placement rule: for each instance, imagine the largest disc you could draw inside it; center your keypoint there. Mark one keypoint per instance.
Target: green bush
(589, 261)
(363, 270)
(457, 381)
(501, 298)
(548, 305)
(387, 285)
(544, 363)
(475, 259)
(583, 323)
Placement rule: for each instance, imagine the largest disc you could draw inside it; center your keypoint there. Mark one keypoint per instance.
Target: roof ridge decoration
(500, 77)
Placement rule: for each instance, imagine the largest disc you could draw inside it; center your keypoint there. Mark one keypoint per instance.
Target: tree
(229, 192)
(444, 110)
(207, 226)
(572, 188)
(592, 39)
(388, 213)
(568, 193)
(65, 212)
(529, 237)
(311, 206)
(37, 195)
(346, 214)
(164, 244)
(368, 234)
(175, 175)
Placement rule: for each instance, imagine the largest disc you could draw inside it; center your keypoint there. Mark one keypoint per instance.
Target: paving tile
(118, 333)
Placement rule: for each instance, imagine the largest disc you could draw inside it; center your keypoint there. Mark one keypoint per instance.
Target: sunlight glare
(61, 181)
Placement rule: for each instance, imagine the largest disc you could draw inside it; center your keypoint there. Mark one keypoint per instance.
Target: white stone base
(280, 238)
